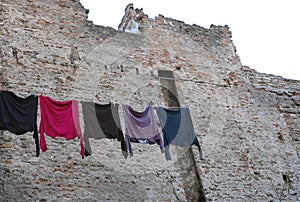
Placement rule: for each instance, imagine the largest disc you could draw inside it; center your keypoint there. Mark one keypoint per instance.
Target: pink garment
(59, 119)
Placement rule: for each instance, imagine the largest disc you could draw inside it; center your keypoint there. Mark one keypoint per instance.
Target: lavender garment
(141, 127)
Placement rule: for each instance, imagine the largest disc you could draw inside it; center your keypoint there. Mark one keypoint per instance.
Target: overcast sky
(266, 33)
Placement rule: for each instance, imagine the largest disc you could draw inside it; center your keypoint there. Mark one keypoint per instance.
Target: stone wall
(247, 122)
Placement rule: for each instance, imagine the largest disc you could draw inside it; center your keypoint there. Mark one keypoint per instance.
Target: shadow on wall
(193, 187)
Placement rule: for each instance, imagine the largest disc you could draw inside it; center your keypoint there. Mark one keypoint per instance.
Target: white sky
(266, 33)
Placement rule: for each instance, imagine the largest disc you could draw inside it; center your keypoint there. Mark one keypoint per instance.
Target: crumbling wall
(247, 122)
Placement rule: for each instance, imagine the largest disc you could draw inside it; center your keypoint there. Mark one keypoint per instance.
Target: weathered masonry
(247, 122)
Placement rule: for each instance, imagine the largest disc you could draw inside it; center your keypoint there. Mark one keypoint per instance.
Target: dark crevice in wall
(193, 187)
(168, 88)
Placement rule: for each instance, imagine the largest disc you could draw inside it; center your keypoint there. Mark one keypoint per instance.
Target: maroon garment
(59, 119)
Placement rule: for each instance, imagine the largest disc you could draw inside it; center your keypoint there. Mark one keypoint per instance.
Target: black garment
(18, 115)
(177, 128)
(102, 121)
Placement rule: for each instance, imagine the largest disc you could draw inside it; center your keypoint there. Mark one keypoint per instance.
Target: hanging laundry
(141, 127)
(18, 115)
(177, 128)
(59, 119)
(102, 121)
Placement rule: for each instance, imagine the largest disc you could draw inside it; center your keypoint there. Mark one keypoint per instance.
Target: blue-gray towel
(177, 128)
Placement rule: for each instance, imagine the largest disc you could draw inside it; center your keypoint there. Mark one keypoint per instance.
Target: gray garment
(177, 128)
(102, 121)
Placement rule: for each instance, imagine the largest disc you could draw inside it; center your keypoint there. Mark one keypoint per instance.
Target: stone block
(6, 145)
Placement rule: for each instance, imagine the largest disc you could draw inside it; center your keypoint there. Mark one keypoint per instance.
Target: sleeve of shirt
(75, 109)
(161, 143)
(196, 142)
(123, 145)
(128, 144)
(36, 139)
(42, 137)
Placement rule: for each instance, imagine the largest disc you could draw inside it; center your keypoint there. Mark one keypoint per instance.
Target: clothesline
(61, 119)
(168, 78)
(113, 102)
(195, 81)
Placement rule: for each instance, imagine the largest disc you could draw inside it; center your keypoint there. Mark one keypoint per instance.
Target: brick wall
(247, 122)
